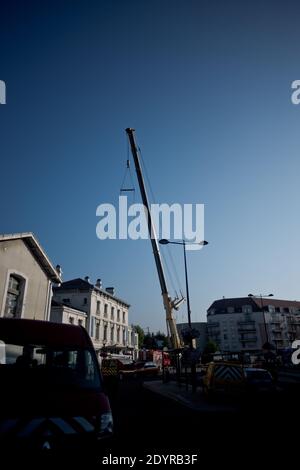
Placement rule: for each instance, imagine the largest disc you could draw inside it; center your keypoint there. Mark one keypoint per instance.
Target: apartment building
(247, 323)
(107, 314)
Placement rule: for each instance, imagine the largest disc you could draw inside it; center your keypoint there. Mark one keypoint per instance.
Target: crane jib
(168, 304)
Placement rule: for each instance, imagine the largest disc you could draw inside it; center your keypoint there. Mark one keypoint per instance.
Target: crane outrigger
(169, 304)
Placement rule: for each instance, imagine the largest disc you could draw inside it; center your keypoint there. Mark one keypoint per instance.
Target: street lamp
(267, 344)
(164, 241)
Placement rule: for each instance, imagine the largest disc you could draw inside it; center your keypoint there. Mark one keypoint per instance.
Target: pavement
(184, 395)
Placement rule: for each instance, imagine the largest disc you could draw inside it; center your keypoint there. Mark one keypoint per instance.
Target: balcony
(277, 330)
(292, 330)
(253, 339)
(246, 330)
(214, 331)
(279, 342)
(215, 338)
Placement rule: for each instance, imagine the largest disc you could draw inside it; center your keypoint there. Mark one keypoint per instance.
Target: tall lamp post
(183, 243)
(267, 344)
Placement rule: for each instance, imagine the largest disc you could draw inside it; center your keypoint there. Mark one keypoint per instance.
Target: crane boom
(169, 305)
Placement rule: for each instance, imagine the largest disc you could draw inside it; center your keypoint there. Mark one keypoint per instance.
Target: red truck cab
(52, 396)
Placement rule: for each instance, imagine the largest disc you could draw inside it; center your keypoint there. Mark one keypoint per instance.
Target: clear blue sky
(206, 85)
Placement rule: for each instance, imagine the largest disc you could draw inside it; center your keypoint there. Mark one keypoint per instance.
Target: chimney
(87, 278)
(98, 283)
(58, 269)
(59, 272)
(110, 290)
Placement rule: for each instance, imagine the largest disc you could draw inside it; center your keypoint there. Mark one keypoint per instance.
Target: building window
(225, 336)
(92, 320)
(124, 336)
(98, 307)
(118, 335)
(14, 296)
(80, 322)
(97, 330)
(85, 301)
(247, 309)
(112, 313)
(118, 315)
(71, 320)
(105, 310)
(124, 317)
(66, 301)
(112, 334)
(105, 333)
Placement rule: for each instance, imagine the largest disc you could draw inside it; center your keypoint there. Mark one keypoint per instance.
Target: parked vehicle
(150, 369)
(160, 358)
(236, 379)
(114, 369)
(258, 380)
(223, 377)
(143, 370)
(52, 396)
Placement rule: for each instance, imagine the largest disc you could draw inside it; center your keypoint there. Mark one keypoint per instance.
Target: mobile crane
(169, 304)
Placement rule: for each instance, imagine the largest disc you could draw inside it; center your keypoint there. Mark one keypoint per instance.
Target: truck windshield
(30, 366)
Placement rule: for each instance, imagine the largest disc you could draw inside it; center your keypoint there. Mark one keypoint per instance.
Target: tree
(149, 341)
(211, 347)
(161, 339)
(139, 330)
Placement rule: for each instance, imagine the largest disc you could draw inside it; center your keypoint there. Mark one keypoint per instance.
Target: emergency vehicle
(234, 378)
(52, 395)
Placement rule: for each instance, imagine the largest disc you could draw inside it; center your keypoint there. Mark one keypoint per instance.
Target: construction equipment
(169, 304)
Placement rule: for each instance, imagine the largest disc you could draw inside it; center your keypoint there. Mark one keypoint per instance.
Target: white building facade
(61, 313)
(26, 277)
(246, 324)
(107, 315)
